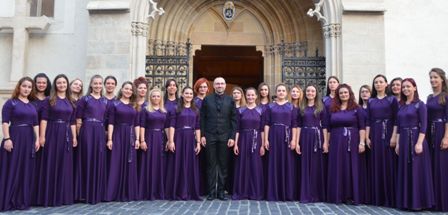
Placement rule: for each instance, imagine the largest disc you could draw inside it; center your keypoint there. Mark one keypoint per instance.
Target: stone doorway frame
(328, 12)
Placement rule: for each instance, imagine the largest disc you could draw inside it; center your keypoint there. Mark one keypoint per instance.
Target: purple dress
(344, 158)
(182, 182)
(381, 114)
(39, 104)
(56, 172)
(16, 167)
(151, 164)
(437, 116)
(248, 179)
(122, 183)
(202, 157)
(265, 158)
(170, 106)
(282, 184)
(414, 177)
(327, 100)
(313, 168)
(90, 172)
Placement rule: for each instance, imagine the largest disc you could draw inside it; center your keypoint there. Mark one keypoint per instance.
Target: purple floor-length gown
(39, 104)
(90, 173)
(344, 158)
(122, 182)
(16, 167)
(313, 168)
(414, 177)
(202, 158)
(248, 174)
(383, 160)
(56, 172)
(282, 183)
(437, 116)
(182, 182)
(152, 162)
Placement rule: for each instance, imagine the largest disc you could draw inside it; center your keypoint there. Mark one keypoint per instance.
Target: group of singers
(388, 149)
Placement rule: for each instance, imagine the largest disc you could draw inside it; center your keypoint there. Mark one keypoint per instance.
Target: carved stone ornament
(332, 30)
(154, 10)
(228, 11)
(317, 12)
(139, 29)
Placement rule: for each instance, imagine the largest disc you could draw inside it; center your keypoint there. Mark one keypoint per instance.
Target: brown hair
(54, 91)
(318, 104)
(444, 92)
(365, 86)
(351, 105)
(133, 98)
(15, 94)
(243, 98)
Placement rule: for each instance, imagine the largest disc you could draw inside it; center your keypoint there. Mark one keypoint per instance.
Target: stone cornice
(332, 30)
(139, 29)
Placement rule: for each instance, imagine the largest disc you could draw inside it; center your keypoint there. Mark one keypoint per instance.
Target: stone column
(333, 49)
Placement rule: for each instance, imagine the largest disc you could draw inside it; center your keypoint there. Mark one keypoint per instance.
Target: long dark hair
(110, 77)
(90, 90)
(133, 98)
(181, 105)
(403, 97)
(328, 87)
(262, 84)
(374, 93)
(444, 92)
(389, 88)
(43, 75)
(167, 83)
(54, 91)
(15, 94)
(351, 105)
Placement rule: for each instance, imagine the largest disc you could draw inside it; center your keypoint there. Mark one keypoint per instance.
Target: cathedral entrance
(239, 65)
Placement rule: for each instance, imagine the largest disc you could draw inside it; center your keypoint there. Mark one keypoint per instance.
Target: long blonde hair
(149, 107)
(297, 102)
(243, 99)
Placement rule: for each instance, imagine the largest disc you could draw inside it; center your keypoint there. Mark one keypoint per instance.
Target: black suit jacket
(218, 118)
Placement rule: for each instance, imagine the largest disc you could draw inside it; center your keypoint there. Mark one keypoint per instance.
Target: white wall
(416, 39)
(7, 8)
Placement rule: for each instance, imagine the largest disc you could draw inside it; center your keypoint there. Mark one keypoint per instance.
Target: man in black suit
(218, 128)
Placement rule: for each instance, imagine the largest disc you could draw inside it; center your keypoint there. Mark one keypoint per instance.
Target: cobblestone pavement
(213, 207)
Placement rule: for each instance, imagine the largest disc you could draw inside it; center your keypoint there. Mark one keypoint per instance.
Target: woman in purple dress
(264, 98)
(381, 138)
(123, 141)
(201, 88)
(394, 88)
(296, 95)
(313, 143)
(332, 85)
(437, 105)
(110, 83)
(364, 95)
(141, 84)
(248, 149)
(280, 139)
(414, 177)
(57, 138)
(90, 172)
(346, 137)
(42, 89)
(170, 96)
(184, 145)
(19, 145)
(76, 89)
(154, 125)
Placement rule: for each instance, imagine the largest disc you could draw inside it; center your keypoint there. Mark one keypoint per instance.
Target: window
(42, 8)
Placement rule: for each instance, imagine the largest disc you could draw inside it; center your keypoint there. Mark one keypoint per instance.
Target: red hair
(140, 80)
(198, 83)
(351, 104)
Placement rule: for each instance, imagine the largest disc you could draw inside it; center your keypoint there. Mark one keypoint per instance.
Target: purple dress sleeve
(142, 117)
(137, 118)
(111, 114)
(238, 121)
(361, 119)
(45, 110)
(294, 117)
(73, 117)
(172, 119)
(324, 118)
(7, 111)
(423, 117)
(80, 107)
(368, 122)
(394, 107)
(299, 118)
(446, 109)
(197, 124)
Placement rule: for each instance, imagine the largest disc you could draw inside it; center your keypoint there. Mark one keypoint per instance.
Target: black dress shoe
(222, 197)
(211, 197)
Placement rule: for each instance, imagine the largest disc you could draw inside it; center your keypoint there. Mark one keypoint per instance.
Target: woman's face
(380, 84)
(396, 87)
(26, 88)
(365, 94)
(251, 97)
(41, 84)
(310, 93)
(344, 94)
(188, 95)
(435, 79)
(61, 85)
(110, 85)
(155, 98)
(295, 93)
(172, 88)
(281, 92)
(76, 86)
(333, 84)
(408, 89)
(236, 95)
(142, 90)
(97, 85)
(203, 89)
(264, 91)
(127, 91)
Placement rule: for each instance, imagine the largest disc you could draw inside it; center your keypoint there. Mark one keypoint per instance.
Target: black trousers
(217, 154)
